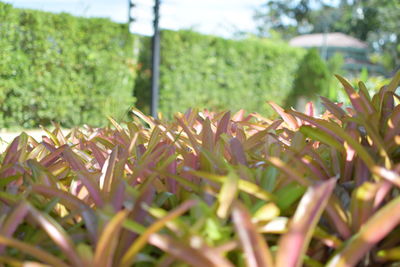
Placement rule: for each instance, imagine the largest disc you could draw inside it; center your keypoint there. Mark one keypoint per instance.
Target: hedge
(211, 72)
(57, 67)
(72, 70)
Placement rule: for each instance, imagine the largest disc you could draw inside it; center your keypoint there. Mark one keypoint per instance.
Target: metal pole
(131, 19)
(155, 66)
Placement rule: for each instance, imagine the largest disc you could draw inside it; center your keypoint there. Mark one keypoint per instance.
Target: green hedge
(211, 72)
(57, 67)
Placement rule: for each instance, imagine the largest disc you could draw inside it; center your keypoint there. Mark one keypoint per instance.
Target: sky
(218, 17)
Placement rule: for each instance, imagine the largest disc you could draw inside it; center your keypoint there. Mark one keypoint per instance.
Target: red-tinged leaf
(222, 126)
(11, 152)
(289, 119)
(335, 212)
(336, 131)
(365, 98)
(138, 216)
(243, 185)
(57, 234)
(237, 152)
(171, 169)
(41, 175)
(37, 152)
(293, 245)
(87, 180)
(118, 195)
(190, 135)
(257, 253)
(121, 131)
(104, 141)
(23, 146)
(107, 176)
(259, 137)
(309, 109)
(52, 136)
(12, 221)
(60, 135)
(97, 153)
(53, 156)
(74, 160)
(238, 116)
(393, 124)
(108, 241)
(373, 231)
(389, 175)
(191, 116)
(354, 97)
(190, 161)
(362, 204)
(394, 83)
(338, 217)
(207, 140)
(373, 134)
(319, 123)
(384, 189)
(337, 111)
(193, 257)
(73, 203)
(129, 257)
(33, 251)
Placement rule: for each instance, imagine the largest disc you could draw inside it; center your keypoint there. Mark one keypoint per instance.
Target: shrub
(312, 79)
(206, 71)
(211, 189)
(56, 67)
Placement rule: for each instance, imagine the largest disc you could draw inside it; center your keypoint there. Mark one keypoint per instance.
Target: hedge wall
(56, 67)
(211, 72)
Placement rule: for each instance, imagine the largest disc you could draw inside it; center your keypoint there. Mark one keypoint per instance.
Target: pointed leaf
(108, 240)
(373, 231)
(293, 244)
(257, 253)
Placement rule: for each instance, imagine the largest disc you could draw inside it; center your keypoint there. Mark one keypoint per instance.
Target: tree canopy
(373, 21)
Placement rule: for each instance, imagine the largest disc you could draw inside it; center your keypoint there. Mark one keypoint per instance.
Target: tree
(373, 21)
(312, 79)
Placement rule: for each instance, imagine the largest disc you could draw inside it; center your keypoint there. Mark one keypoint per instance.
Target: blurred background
(76, 62)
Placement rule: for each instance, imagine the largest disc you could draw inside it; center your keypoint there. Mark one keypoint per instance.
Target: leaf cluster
(210, 189)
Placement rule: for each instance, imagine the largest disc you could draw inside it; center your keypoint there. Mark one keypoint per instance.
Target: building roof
(336, 39)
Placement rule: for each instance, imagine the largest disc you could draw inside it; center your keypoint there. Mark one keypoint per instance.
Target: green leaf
(227, 194)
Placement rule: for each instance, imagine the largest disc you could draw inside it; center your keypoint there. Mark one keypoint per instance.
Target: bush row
(57, 67)
(216, 73)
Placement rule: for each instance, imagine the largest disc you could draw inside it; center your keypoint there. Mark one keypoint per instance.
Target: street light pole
(155, 62)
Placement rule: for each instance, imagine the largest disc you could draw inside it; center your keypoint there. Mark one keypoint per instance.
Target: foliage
(312, 79)
(373, 21)
(207, 71)
(56, 67)
(335, 64)
(210, 189)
